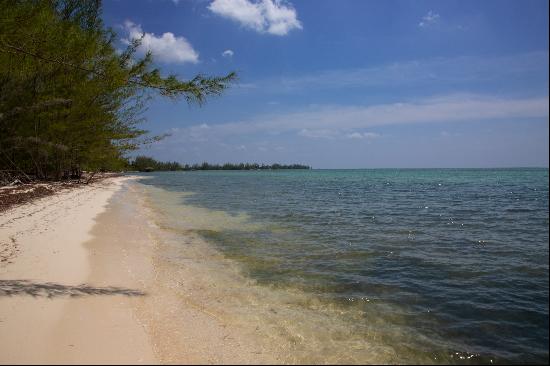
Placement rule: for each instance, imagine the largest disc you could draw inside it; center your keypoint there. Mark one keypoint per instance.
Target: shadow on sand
(51, 290)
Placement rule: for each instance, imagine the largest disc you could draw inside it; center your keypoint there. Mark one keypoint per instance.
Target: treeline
(243, 166)
(144, 164)
(69, 100)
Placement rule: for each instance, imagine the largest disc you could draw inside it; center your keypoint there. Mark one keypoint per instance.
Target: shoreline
(85, 282)
(128, 271)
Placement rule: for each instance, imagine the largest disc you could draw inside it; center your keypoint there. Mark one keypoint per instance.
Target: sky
(350, 84)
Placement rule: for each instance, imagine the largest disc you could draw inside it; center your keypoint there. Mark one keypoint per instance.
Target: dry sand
(80, 283)
(51, 309)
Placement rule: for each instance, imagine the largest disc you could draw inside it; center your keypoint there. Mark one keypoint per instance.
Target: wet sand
(83, 281)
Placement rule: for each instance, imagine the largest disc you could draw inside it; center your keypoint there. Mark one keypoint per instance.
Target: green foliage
(145, 163)
(68, 100)
(244, 166)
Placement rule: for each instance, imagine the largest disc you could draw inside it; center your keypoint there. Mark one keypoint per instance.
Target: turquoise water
(428, 265)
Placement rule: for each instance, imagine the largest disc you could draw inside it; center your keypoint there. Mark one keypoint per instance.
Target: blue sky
(351, 84)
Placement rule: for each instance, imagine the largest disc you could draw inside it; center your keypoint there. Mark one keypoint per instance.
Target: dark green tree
(68, 100)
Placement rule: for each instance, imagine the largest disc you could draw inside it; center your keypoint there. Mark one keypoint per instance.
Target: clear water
(440, 266)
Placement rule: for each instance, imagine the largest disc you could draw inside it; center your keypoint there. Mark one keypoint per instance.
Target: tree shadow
(51, 290)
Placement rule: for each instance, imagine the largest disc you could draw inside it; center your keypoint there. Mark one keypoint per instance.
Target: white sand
(44, 318)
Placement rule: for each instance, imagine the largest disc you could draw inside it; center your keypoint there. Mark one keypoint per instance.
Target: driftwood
(89, 179)
(13, 195)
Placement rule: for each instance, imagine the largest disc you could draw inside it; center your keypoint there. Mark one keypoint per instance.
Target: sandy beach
(80, 283)
(168, 269)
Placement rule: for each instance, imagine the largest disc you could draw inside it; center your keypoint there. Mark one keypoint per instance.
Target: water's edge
(246, 282)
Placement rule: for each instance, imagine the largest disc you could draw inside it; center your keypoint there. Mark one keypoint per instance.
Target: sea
(370, 266)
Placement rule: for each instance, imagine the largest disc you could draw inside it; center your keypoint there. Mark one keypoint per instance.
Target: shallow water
(394, 266)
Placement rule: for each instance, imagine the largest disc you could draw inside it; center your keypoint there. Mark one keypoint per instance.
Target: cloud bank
(351, 121)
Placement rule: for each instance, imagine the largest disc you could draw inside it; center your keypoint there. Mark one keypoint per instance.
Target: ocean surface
(386, 266)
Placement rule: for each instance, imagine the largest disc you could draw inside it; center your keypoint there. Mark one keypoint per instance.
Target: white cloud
(370, 135)
(333, 133)
(364, 135)
(331, 122)
(266, 16)
(166, 48)
(228, 53)
(429, 19)
(354, 135)
(317, 134)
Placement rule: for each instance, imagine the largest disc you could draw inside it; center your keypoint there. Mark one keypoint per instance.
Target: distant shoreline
(311, 168)
(148, 164)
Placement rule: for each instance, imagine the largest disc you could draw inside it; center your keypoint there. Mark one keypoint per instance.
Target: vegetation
(69, 101)
(144, 164)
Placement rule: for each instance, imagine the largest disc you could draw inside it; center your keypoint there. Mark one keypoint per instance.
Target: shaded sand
(81, 282)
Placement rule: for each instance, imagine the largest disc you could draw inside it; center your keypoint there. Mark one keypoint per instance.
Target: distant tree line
(145, 164)
(69, 99)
